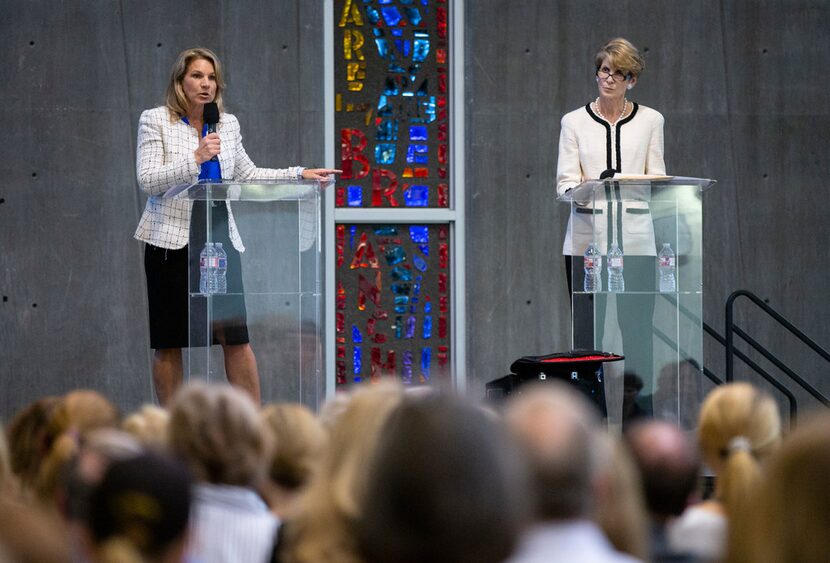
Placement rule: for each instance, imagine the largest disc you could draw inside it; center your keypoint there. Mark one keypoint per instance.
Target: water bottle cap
(219, 244)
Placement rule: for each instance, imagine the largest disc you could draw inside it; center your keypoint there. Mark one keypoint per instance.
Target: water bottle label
(667, 261)
(591, 263)
(615, 262)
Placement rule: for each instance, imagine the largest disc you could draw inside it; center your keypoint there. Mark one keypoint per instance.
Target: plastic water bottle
(616, 283)
(666, 267)
(221, 269)
(207, 269)
(592, 262)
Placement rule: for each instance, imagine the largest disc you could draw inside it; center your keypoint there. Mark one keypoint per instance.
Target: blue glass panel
(399, 325)
(384, 108)
(352, 234)
(427, 307)
(416, 287)
(418, 154)
(372, 15)
(388, 130)
(382, 2)
(395, 255)
(401, 274)
(355, 196)
(423, 89)
(419, 234)
(386, 231)
(357, 362)
(405, 2)
(420, 47)
(383, 48)
(400, 310)
(391, 88)
(406, 374)
(426, 360)
(420, 263)
(427, 328)
(424, 249)
(410, 327)
(403, 46)
(385, 153)
(397, 32)
(417, 133)
(413, 15)
(416, 196)
(356, 336)
(394, 67)
(429, 109)
(391, 15)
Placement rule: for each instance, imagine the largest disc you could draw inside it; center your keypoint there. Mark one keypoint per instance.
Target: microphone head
(606, 174)
(211, 113)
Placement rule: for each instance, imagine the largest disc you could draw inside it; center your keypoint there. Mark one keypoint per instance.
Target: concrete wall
(740, 83)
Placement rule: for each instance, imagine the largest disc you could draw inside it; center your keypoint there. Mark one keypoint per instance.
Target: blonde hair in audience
(323, 530)
(27, 434)
(620, 504)
(149, 426)
(299, 443)
(76, 414)
(739, 428)
(217, 431)
(791, 518)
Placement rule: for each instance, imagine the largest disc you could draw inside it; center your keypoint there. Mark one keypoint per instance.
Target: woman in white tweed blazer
(613, 133)
(173, 148)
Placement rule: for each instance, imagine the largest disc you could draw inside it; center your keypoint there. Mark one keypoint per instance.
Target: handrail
(732, 329)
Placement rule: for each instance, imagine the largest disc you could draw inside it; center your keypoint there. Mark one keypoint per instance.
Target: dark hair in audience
(668, 463)
(445, 487)
(140, 509)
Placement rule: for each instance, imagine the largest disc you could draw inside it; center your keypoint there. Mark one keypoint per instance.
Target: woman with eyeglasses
(614, 133)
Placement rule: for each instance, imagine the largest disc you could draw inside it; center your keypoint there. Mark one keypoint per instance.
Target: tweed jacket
(588, 145)
(164, 159)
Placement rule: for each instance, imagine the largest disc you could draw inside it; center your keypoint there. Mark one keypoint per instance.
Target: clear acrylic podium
(659, 333)
(280, 294)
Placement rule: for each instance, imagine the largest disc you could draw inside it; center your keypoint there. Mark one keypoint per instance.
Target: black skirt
(178, 313)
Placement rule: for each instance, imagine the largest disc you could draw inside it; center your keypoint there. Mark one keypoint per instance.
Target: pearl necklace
(622, 113)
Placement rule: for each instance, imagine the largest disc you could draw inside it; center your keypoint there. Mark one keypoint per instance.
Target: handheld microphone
(607, 174)
(211, 118)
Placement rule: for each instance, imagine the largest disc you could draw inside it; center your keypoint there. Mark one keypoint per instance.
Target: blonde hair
(76, 414)
(323, 531)
(174, 98)
(149, 426)
(739, 428)
(620, 504)
(791, 515)
(623, 55)
(217, 431)
(299, 442)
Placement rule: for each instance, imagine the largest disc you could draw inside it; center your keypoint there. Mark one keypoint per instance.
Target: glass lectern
(655, 323)
(271, 264)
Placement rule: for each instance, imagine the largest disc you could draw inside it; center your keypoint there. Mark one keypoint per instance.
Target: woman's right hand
(209, 146)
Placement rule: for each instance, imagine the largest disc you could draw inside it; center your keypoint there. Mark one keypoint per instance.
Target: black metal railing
(729, 343)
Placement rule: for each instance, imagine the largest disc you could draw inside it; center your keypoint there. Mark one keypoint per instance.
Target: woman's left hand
(320, 173)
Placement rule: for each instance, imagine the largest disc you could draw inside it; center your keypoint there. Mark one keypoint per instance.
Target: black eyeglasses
(617, 76)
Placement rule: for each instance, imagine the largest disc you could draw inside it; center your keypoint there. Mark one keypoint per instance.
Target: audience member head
(299, 443)
(217, 431)
(74, 416)
(446, 487)
(8, 481)
(669, 466)
(739, 428)
(28, 443)
(792, 514)
(556, 426)
(619, 507)
(323, 531)
(149, 426)
(139, 511)
(97, 451)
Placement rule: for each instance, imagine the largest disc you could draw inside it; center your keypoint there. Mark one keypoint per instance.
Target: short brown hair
(175, 100)
(623, 55)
